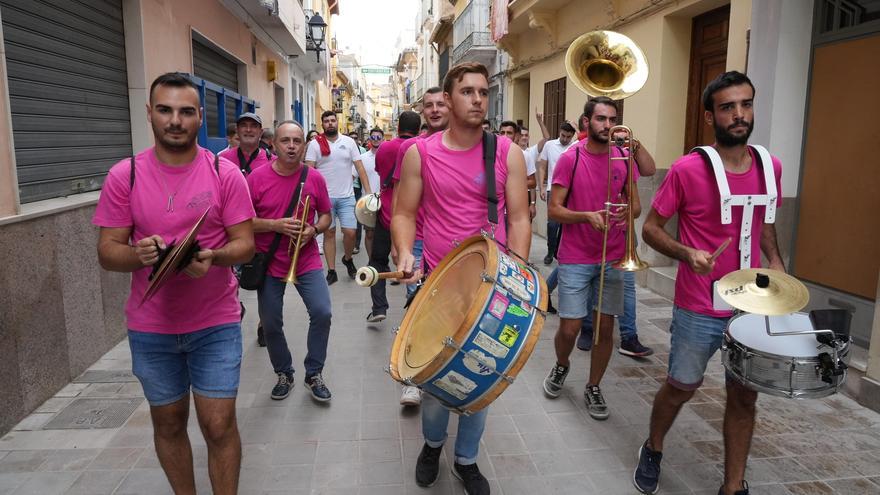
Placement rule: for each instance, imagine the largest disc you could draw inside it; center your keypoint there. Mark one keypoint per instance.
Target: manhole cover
(106, 376)
(94, 413)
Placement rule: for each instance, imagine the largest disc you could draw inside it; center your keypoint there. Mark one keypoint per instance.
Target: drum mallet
(367, 276)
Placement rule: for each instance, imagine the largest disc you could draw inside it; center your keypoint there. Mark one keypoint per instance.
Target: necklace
(169, 206)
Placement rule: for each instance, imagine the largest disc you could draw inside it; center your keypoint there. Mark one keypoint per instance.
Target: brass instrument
(294, 246)
(607, 63)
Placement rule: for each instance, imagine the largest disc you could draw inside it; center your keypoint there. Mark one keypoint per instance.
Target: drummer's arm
(770, 247)
(117, 255)
(406, 205)
(656, 236)
(519, 225)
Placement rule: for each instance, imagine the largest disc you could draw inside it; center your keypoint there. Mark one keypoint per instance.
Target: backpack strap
(489, 147)
(131, 175)
(766, 163)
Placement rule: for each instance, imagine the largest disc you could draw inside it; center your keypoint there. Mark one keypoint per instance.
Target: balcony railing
(474, 40)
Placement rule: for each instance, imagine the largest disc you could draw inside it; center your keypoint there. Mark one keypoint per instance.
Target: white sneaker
(320, 239)
(411, 396)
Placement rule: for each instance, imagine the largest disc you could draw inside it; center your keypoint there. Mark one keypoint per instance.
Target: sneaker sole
(376, 319)
(410, 403)
(279, 397)
(319, 399)
(638, 488)
(549, 393)
(633, 354)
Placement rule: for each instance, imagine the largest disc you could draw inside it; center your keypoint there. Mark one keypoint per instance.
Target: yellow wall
(657, 112)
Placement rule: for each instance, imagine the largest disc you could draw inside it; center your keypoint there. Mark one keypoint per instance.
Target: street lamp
(316, 34)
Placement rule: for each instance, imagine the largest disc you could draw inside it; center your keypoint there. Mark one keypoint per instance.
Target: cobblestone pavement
(364, 443)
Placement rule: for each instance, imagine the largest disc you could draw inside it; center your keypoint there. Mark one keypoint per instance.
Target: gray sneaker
(555, 380)
(595, 402)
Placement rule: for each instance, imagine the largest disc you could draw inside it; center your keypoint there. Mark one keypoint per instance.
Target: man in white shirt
(512, 130)
(553, 149)
(332, 154)
(368, 158)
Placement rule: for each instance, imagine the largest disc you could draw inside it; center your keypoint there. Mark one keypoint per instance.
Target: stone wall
(59, 311)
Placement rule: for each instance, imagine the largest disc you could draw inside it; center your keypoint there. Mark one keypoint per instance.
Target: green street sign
(375, 70)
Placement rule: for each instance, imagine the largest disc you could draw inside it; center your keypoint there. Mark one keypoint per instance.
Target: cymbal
(763, 291)
(173, 261)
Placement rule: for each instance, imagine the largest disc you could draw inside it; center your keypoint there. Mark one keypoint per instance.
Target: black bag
(253, 273)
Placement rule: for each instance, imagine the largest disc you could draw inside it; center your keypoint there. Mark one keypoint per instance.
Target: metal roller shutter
(212, 66)
(68, 93)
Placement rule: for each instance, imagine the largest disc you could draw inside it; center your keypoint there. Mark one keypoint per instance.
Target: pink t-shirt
(262, 157)
(581, 243)
(183, 304)
(690, 190)
(420, 219)
(454, 195)
(271, 193)
(386, 159)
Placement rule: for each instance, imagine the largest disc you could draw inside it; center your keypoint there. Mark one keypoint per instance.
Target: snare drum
(795, 366)
(471, 327)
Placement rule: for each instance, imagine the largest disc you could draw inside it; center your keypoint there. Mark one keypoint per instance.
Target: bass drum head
(750, 331)
(445, 306)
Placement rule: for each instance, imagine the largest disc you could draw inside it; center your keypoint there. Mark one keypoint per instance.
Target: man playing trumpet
(272, 189)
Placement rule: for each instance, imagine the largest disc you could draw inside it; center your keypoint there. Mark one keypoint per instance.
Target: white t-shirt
(531, 156)
(553, 149)
(369, 161)
(335, 167)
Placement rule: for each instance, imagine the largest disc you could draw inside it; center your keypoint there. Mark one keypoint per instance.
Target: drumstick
(720, 249)
(397, 274)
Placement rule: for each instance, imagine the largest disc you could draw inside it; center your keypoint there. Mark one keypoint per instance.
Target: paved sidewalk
(363, 443)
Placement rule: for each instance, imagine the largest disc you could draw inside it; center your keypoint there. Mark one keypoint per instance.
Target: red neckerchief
(323, 144)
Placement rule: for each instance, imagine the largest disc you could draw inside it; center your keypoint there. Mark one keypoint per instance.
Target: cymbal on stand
(763, 291)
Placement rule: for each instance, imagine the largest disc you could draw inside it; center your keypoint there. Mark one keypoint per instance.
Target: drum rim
(843, 353)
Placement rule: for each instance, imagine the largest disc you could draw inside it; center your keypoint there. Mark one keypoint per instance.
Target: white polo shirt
(369, 160)
(553, 149)
(336, 167)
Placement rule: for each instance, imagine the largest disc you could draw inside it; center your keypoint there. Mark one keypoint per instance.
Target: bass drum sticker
(490, 324)
(508, 336)
(498, 306)
(517, 311)
(472, 361)
(456, 385)
(490, 345)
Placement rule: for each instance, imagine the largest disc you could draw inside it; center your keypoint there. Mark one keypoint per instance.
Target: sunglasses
(375, 138)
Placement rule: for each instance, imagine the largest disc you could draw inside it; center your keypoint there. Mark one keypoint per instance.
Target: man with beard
(436, 116)
(272, 190)
(188, 335)
(248, 155)
(443, 178)
(577, 201)
(691, 191)
(332, 154)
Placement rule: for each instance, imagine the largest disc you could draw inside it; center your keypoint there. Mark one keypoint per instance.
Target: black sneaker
(282, 389)
(320, 392)
(332, 278)
(428, 466)
(632, 347)
(349, 265)
(550, 308)
(585, 340)
(375, 317)
(474, 481)
(243, 311)
(394, 281)
(548, 259)
(596, 406)
(744, 491)
(554, 381)
(261, 336)
(646, 477)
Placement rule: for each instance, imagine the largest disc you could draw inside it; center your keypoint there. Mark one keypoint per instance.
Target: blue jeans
(626, 322)
(435, 419)
(553, 228)
(167, 365)
(417, 254)
(312, 287)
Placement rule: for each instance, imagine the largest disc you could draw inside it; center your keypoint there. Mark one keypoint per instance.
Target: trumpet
(607, 63)
(295, 245)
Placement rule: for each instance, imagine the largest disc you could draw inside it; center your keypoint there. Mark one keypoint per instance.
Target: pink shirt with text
(454, 195)
(271, 193)
(581, 243)
(690, 191)
(262, 158)
(183, 304)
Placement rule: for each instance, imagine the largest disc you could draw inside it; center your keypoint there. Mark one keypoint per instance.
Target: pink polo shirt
(183, 304)
(271, 193)
(454, 195)
(261, 157)
(690, 190)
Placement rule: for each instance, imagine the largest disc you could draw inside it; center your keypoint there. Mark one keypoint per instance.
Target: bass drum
(471, 327)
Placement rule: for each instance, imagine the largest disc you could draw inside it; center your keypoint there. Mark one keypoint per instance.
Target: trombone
(607, 63)
(294, 246)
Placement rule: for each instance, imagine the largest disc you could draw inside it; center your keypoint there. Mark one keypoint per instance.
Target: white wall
(779, 60)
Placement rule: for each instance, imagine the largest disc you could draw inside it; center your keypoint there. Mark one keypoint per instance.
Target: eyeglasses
(375, 138)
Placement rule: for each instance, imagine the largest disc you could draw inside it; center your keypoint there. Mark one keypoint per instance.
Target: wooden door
(708, 60)
(554, 105)
(838, 232)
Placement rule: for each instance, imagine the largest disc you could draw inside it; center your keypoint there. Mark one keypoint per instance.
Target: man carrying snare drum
(691, 190)
(446, 165)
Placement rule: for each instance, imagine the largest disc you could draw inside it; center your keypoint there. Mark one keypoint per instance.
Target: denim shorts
(343, 209)
(695, 339)
(168, 365)
(576, 282)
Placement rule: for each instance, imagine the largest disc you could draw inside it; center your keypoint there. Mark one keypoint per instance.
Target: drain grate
(87, 414)
(106, 376)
